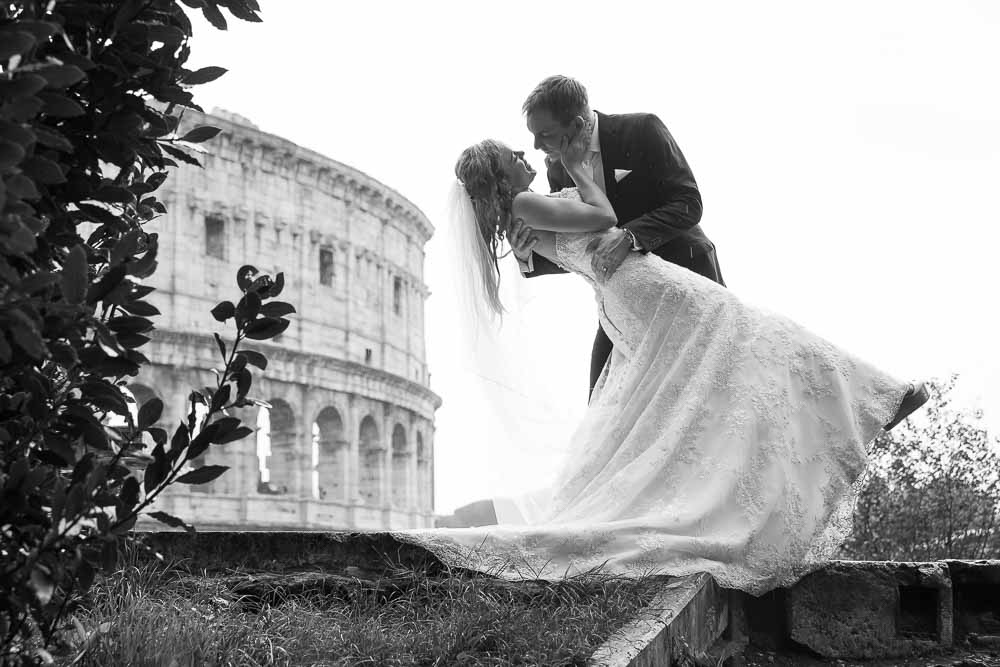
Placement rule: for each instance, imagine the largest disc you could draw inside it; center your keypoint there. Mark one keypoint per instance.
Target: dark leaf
(100, 214)
(204, 75)
(10, 154)
(38, 281)
(179, 154)
(243, 381)
(43, 170)
(223, 311)
(24, 108)
(158, 434)
(200, 134)
(57, 105)
(18, 134)
(202, 475)
(179, 441)
(220, 398)
(30, 340)
(244, 276)
(255, 358)
(279, 284)
(238, 364)
(214, 16)
(156, 471)
(23, 86)
(143, 266)
(74, 275)
(108, 282)
(62, 76)
(132, 340)
(143, 308)
(129, 495)
(277, 309)
(156, 179)
(221, 344)
(266, 327)
(61, 448)
(150, 413)
(248, 308)
(238, 434)
(124, 524)
(223, 427)
(40, 30)
(129, 324)
(21, 186)
(114, 195)
(15, 43)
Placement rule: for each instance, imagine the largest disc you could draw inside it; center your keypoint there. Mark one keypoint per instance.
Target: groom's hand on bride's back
(609, 251)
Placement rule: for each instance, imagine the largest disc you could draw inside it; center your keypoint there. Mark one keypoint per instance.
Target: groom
(644, 175)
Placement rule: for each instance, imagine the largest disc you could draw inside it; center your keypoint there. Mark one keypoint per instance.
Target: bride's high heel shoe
(914, 398)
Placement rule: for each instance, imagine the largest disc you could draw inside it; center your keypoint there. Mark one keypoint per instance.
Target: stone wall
(349, 376)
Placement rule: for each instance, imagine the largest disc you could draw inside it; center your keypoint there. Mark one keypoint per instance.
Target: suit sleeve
(674, 188)
(539, 265)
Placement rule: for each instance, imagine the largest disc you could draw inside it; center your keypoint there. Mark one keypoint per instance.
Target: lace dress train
(721, 438)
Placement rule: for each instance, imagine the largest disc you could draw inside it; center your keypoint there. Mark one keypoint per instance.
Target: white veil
(521, 419)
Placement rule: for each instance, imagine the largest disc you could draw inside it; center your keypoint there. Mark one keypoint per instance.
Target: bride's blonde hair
(480, 170)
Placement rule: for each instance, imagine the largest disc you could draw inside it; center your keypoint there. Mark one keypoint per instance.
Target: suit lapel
(607, 132)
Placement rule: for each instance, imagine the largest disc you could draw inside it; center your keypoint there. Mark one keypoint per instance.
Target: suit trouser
(706, 264)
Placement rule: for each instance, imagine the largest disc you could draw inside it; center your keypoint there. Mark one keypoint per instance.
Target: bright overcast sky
(848, 155)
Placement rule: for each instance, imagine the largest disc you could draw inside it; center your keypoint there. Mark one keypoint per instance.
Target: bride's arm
(554, 214)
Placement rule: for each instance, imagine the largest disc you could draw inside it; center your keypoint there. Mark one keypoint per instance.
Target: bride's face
(518, 171)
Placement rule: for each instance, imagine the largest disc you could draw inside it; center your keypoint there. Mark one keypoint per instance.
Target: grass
(147, 615)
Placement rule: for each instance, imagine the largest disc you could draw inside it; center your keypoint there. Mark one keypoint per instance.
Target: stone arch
(276, 447)
(400, 484)
(371, 460)
(330, 450)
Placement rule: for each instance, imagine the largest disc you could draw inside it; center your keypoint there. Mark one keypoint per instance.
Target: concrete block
(869, 610)
(976, 586)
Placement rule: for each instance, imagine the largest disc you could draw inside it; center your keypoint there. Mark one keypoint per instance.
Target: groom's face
(549, 132)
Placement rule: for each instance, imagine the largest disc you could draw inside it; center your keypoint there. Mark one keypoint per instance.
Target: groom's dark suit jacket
(658, 201)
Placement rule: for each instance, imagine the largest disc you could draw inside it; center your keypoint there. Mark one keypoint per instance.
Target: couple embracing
(719, 437)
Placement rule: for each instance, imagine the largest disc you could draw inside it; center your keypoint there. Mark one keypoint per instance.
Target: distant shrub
(933, 490)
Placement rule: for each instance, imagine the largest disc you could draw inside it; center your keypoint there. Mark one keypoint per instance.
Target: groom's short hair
(561, 96)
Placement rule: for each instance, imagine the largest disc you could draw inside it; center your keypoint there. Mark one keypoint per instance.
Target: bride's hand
(572, 151)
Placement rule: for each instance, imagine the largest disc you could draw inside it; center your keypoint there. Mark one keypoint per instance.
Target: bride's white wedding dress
(721, 438)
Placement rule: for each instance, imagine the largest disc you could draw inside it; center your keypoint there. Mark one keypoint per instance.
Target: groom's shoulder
(631, 120)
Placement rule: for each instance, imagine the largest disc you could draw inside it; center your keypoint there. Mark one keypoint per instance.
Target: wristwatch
(633, 239)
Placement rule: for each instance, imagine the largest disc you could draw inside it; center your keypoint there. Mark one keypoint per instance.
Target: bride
(720, 438)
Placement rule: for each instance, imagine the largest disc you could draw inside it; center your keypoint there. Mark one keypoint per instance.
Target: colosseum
(348, 439)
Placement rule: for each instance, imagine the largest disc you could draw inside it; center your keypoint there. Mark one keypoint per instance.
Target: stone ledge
(282, 551)
(846, 610)
(685, 618)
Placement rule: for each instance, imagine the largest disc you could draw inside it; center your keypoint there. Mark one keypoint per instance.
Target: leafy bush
(933, 490)
(88, 98)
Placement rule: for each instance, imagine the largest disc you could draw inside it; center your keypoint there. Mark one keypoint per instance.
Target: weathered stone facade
(350, 431)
